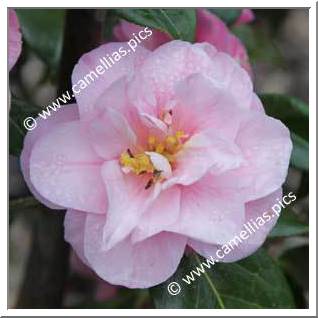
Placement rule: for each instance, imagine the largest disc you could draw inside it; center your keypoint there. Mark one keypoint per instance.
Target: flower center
(140, 163)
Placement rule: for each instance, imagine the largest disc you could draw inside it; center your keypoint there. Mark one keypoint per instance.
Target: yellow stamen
(152, 142)
(140, 163)
(160, 148)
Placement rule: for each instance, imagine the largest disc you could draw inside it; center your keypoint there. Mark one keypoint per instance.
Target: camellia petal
(266, 146)
(208, 215)
(259, 220)
(15, 39)
(160, 215)
(44, 126)
(127, 201)
(89, 84)
(65, 170)
(134, 265)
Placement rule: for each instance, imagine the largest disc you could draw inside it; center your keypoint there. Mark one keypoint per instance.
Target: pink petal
(245, 17)
(213, 30)
(228, 74)
(14, 38)
(139, 265)
(204, 152)
(111, 134)
(124, 66)
(266, 146)
(160, 163)
(202, 104)
(257, 104)
(115, 98)
(173, 62)
(65, 114)
(154, 123)
(124, 31)
(255, 237)
(208, 215)
(159, 216)
(167, 65)
(74, 228)
(127, 201)
(65, 169)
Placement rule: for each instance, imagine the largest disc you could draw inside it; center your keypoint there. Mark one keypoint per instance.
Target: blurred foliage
(259, 43)
(289, 224)
(123, 299)
(108, 18)
(43, 32)
(299, 157)
(295, 263)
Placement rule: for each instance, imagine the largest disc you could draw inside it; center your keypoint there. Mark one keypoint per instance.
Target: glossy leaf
(259, 44)
(43, 31)
(299, 157)
(179, 23)
(288, 224)
(293, 112)
(255, 282)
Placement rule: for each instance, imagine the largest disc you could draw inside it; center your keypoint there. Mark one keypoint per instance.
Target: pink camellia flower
(209, 28)
(14, 37)
(167, 149)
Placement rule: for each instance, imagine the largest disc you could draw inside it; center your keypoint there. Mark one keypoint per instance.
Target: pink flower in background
(209, 29)
(15, 42)
(246, 16)
(167, 149)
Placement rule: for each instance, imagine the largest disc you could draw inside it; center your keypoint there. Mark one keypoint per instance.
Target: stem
(47, 264)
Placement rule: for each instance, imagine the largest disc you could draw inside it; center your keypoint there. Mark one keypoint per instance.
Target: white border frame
(312, 160)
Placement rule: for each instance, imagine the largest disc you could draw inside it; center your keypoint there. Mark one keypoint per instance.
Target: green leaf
(109, 19)
(229, 16)
(293, 112)
(299, 156)
(179, 23)
(288, 224)
(255, 282)
(259, 44)
(295, 264)
(43, 31)
(18, 112)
